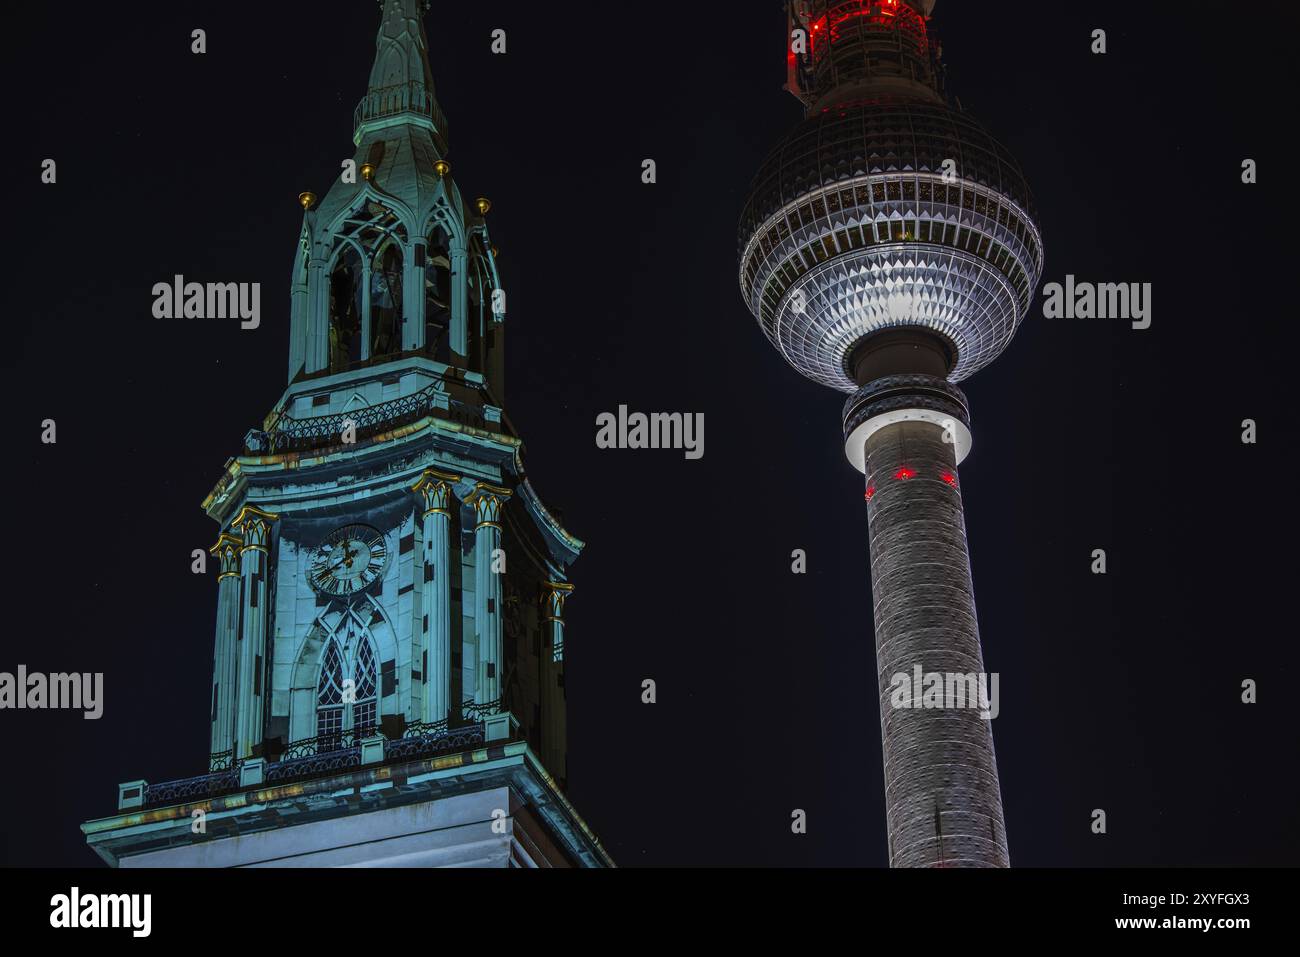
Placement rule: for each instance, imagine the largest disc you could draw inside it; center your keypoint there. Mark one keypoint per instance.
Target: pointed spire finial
(401, 83)
(401, 48)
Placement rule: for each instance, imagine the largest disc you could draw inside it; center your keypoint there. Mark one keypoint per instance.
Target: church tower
(389, 648)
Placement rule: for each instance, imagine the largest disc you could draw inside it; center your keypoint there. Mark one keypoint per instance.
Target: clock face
(350, 559)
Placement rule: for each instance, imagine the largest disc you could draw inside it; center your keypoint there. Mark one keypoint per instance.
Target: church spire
(401, 83)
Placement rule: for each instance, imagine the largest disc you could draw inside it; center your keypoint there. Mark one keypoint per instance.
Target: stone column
(434, 626)
(366, 289)
(299, 316)
(552, 691)
(225, 668)
(487, 501)
(318, 315)
(413, 297)
(254, 525)
(459, 302)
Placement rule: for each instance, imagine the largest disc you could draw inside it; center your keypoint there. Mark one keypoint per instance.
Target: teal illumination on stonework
(390, 585)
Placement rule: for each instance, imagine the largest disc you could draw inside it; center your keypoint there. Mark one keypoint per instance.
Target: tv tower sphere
(886, 217)
(888, 249)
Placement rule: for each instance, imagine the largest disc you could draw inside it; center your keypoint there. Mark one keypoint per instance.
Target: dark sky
(1119, 692)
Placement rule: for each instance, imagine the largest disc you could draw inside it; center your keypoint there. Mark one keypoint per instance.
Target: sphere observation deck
(885, 210)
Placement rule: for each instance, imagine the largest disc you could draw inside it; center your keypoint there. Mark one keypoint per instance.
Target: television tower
(889, 250)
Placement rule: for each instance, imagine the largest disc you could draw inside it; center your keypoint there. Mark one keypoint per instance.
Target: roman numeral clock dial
(349, 560)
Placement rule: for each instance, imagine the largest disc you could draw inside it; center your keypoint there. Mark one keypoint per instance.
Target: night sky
(1119, 692)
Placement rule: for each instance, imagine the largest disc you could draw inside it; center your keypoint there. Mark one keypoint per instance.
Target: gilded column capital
(255, 527)
(434, 488)
(487, 501)
(227, 549)
(553, 596)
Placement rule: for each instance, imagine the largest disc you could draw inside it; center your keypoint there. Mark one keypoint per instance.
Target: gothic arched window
(386, 302)
(344, 705)
(363, 673)
(347, 289)
(329, 697)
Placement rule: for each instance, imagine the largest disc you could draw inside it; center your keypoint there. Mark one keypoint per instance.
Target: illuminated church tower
(388, 673)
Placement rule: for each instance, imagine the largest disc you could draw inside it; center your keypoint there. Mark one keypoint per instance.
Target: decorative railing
(326, 754)
(296, 435)
(401, 98)
(419, 729)
(325, 743)
(447, 740)
(313, 765)
(473, 711)
(192, 789)
(221, 760)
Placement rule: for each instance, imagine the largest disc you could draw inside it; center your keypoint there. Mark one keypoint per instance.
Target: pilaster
(487, 501)
(225, 667)
(433, 629)
(254, 526)
(554, 722)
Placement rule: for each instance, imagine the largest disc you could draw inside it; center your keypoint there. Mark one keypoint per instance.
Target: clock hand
(345, 557)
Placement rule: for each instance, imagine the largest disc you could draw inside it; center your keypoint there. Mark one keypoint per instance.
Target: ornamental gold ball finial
(307, 200)
(367, 171)
(483, 204)
(442, 168)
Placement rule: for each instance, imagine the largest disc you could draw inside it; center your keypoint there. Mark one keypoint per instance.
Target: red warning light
(871, 491)
(904, 473)
(851, 17)
(949, 478)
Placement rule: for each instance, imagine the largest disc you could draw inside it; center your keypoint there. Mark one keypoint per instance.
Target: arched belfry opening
(366, 287)
(347, 305)
(479, 320)
(386, 301)
(437, 295)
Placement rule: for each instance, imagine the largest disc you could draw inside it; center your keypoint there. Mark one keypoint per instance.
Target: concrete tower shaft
(907, 434)
(942, 800)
